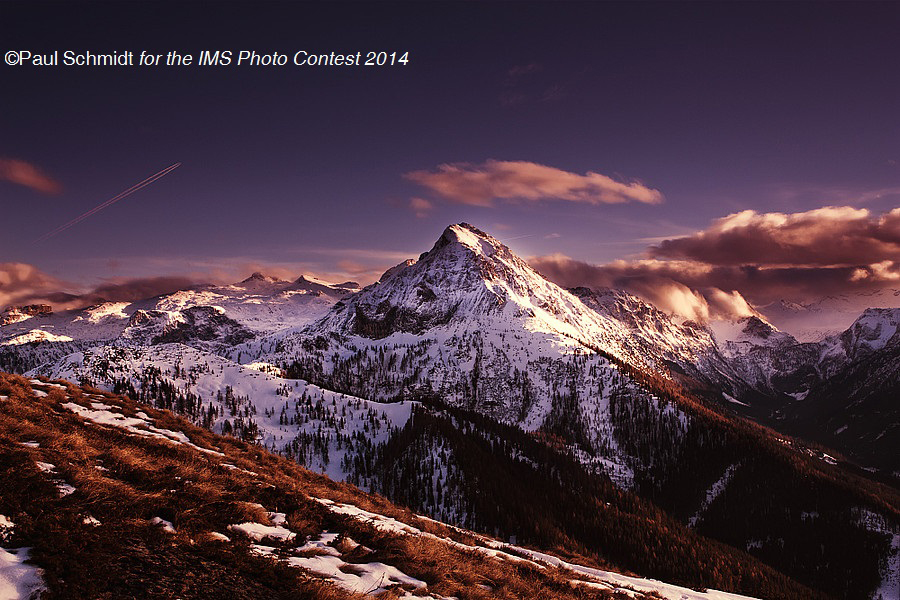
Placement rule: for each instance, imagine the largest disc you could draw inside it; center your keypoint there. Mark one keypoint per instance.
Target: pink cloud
(829, 236)
(523, 181)
(20, 283)
(757, 258)
(420, 207)
(684, 289)
(23, 173)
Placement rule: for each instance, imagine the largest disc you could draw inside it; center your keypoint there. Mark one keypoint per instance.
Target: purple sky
(591, 131)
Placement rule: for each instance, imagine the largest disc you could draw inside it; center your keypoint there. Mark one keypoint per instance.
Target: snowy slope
(242, 505)
(489, 548)
(651, 332)
(469, 321)
(288, 416)
(873, 331)
(325, 377)
(475, 324)
(471, 275)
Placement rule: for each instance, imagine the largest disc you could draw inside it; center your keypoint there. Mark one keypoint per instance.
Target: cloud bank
(752, 258)
(20, 283)
(131, 290)
(523, 181)
(829, 236)
(664, 286)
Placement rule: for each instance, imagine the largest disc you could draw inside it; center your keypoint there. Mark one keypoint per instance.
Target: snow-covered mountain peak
(829, 316)
(260, 282)
(472, 238)
(311, 284)
(259, 277)
(872, 331)
(17, 314)
(396, 269)
(104, 311)
(751, 330)
(467, 276)
(470, 285)
(758, 330)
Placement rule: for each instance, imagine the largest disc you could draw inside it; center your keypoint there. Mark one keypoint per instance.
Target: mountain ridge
(473, 336)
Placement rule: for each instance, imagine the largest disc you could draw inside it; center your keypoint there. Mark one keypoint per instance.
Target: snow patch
(105, 416)
(165, 525)
(890, 583)
(498, 550)
(623, 583)
(712, 493)
(6, 528)
(733, 400)
(64, 489)
(18, 581)
(259, 532)
(368, 578)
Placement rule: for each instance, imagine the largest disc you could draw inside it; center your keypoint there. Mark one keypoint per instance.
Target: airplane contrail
(109, 202)
(518, 237)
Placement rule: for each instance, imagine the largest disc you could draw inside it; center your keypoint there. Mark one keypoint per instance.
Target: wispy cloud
(517, 84)
(516, 72)
(523, 181)
(421, 207)
(791, 194)
(533, 82)
(26, 174)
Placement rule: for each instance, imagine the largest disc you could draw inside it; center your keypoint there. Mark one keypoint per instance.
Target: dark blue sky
(721, 107)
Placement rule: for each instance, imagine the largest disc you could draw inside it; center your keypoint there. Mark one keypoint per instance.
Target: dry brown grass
(142, 478)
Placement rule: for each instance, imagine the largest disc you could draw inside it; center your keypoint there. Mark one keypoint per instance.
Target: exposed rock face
(15, 314)
(204, 323)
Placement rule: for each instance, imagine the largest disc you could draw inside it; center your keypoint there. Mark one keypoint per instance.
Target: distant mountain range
(398, 386)
(814, 321)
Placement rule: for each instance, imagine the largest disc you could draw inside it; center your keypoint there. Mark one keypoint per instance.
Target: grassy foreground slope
(119, 500)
